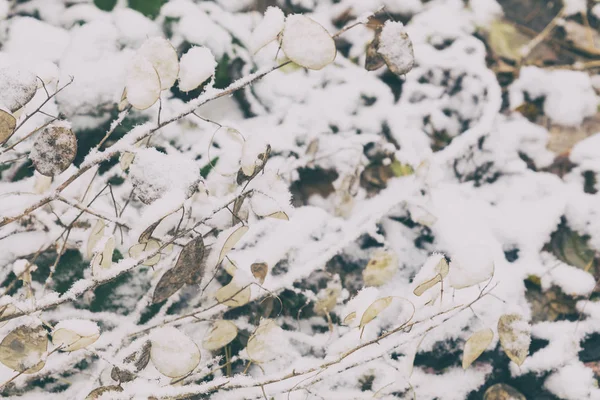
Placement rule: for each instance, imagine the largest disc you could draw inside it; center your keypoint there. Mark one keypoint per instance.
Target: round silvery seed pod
(54, 149)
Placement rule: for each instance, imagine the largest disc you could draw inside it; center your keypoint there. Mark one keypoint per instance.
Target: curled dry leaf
(515, 337)
(374, 310)
(382, 267)
(259, 343)
(99, 392)
(5, 311)
(279, 215)
(476, 345)
(151, 245)
(220, 334)
(8, 124)
(173, 353)
(349, 319)
(396, 48)
(233, 294)
(260, 271)
(307, 43)
(163, 57)
(189, 268)
(73, 335)
(96, 234)
(147, 234)
(441, 270)
(18, 86)
(103, 260)
(231, 240)
(374, 60)
(24, 348)
(268, 29)
(142, 83)
(54, 149)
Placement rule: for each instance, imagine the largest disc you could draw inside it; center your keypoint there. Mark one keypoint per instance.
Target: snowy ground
(212, 199)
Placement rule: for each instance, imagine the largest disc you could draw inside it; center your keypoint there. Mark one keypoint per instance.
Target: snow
(483, 196)
(573, 7)
(32, 40)
(143, 83)
(396, 48)
(164, 59)
(573, 382)
(197, 65)
(267, 29)
(569, 95)
(173, 353)
(81, 327)
(17, 85)
(307, 43)
(155, 174)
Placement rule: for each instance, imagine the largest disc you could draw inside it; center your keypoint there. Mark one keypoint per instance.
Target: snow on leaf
(96, 234)
(75, 334)
(54, 149)
(267, 29)
(261, 347)
(155, 174)
(18, 86)
(23, 349)
(476, 345)
(220, 334)
(143, 84)
(197, 65)
(327, 298)
(515, 337)
(7, 125)
(307, 43)
(173, 353)
(162, 55)
(253, 154)
(259, 271)
(441, 271)
(382, 267)
(137, 249)
(396, 48)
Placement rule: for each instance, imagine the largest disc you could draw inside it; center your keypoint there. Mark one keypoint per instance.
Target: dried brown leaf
(260, 271)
